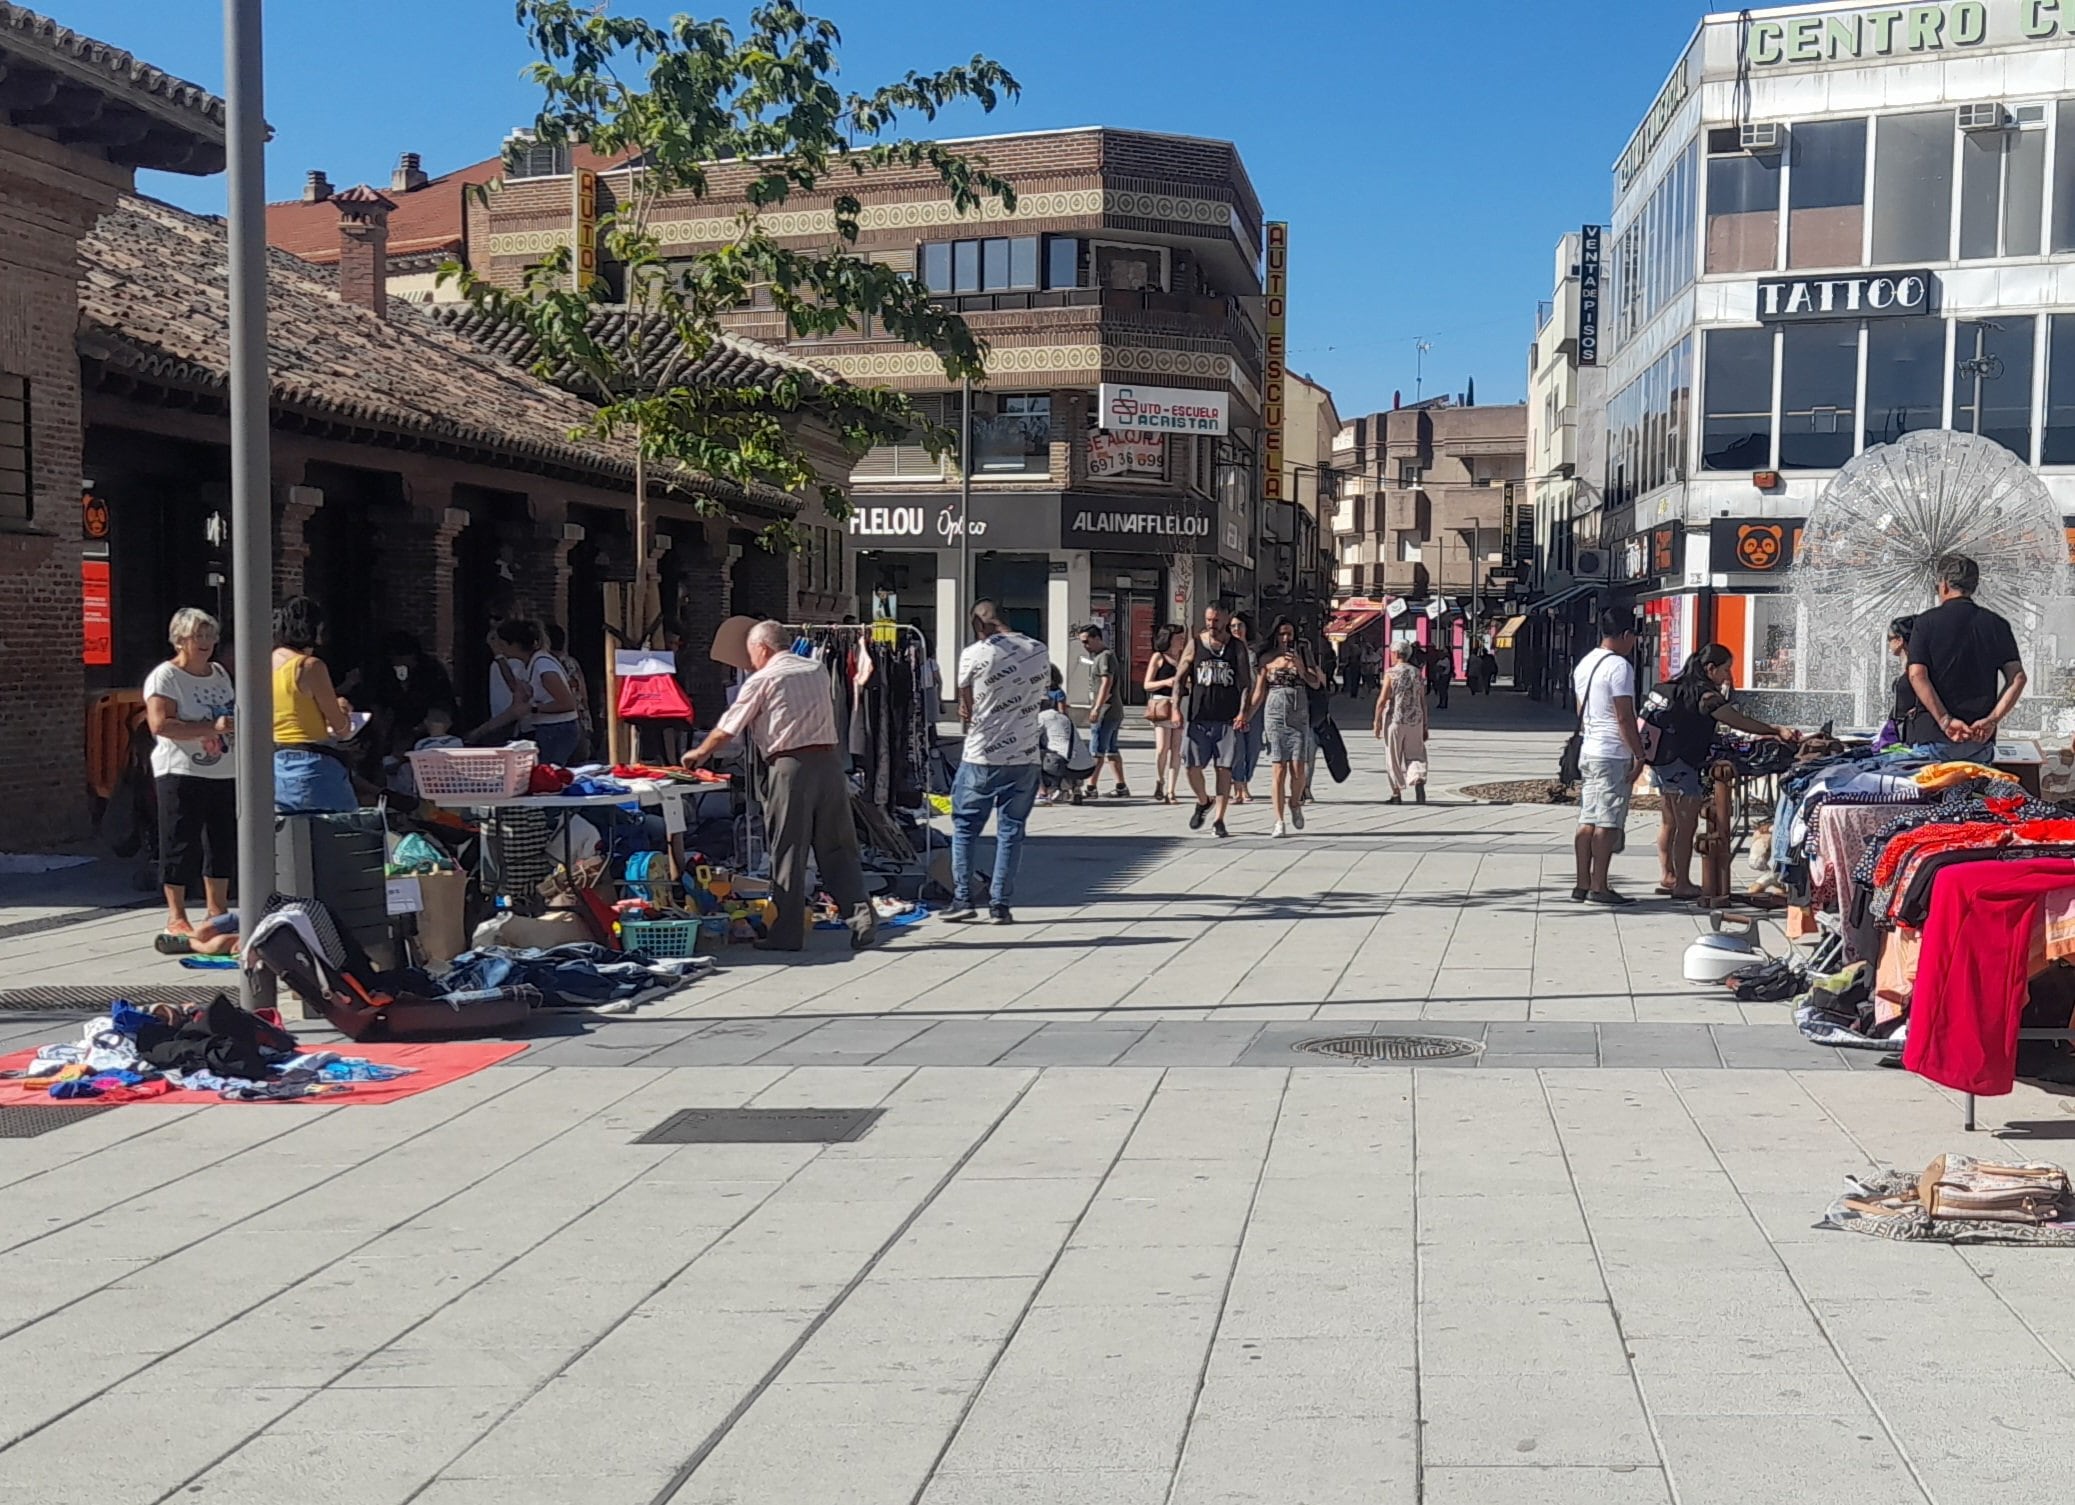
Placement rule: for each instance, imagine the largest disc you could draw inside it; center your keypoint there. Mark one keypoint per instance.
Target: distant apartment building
(1131, 265)
(1297, 552)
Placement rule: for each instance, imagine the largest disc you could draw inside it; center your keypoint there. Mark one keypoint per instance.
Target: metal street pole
(960, 627)
(252, 517)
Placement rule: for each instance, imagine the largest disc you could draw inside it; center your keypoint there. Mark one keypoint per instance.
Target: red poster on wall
(1141, 651)
(96, 614)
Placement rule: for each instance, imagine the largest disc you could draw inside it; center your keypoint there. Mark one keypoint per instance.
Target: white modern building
(1836, 224)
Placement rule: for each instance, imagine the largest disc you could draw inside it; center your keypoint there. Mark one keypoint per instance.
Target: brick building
(1130, 258)
(77, 119)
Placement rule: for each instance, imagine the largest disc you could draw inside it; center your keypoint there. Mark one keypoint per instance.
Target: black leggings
(198, 829)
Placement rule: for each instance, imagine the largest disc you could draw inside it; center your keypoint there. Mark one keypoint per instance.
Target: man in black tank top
(1217, 676)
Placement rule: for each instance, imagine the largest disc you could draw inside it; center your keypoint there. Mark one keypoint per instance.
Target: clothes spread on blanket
(579, 975)
(132, 1054)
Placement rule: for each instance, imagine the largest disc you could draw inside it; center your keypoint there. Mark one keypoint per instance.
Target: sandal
(174, 943)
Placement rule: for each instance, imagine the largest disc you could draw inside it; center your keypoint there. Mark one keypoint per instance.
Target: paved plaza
(1112, 1241)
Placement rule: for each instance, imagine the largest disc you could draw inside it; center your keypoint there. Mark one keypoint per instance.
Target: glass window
(1826, 194)
(1016, 438)
(1913, 188)
(1995, 358)
(2024, 191)
(2057, 444)
(1023, 257)
(1981, 193)
(2064, 181)
(1062, 261)
(2002, 184)
(1743, 213)
(994, 265)
(936, 267)
(1905, 378)
(1819, 386)
(16, 470)
(965, 267)
(1736, 429)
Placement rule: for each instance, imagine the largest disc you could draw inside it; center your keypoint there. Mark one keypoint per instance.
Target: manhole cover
(1391, 1047)
(76, 1000)
(27, 1123)
(763, 1126)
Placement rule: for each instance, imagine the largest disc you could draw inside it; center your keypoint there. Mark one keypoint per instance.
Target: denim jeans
(1958, 752)
(1008, 793)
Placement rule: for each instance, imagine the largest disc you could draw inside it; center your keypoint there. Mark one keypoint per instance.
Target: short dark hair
(401, 644)
(1958, 572)
(1092, 630)
(298, 624)
(1616, 623)
(557, 638)
(520, 633)
(1902, 627)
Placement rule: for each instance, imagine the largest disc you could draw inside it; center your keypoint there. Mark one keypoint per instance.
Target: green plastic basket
(662, 939)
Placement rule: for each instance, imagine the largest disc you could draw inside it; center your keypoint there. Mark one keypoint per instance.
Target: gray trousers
(807, 810)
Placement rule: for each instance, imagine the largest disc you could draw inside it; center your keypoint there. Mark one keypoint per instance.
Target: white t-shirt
(545, 663)
(1063, 738)
(501, 694)
(196, 697)
(1601, 679)
(1008, 675)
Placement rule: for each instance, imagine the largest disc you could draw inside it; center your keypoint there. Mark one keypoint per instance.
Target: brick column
(294, 506)
(540, 565)
(702, 607)
(422, 555)
(763, 582)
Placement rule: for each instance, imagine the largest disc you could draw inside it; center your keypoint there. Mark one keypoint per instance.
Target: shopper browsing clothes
(1064, 763)
(1216, 674)
(1002, 685)
(1105, 709)
(1610, 752)
(1401, 725)
(785, 709)
(1964, 667)
(311, 719)
(1903, 703)
(1283, 689)
(1164, 715)
(188, 704)
(1685, 711)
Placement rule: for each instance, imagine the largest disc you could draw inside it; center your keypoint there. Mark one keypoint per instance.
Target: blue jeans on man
(1958, 752)
(1007, 792)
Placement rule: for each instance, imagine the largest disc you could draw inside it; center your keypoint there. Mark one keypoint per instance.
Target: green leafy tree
(676, 102)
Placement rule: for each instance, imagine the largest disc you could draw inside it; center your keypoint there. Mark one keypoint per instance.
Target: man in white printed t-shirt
(1610, 752)
(1002, 680)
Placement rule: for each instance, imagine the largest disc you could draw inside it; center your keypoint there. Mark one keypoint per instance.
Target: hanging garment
(1972, 981)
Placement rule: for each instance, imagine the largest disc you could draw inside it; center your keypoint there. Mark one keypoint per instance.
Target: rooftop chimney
(316, 186)
(408, 175)
(364, 249)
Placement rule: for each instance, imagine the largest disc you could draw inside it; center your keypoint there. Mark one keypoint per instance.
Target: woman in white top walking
(188, 702)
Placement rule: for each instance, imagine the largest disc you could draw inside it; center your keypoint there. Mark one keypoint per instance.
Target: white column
(1066, 605)
(951, 634)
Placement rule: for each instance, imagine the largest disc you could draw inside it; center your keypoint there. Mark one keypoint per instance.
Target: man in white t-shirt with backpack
(1610, 753)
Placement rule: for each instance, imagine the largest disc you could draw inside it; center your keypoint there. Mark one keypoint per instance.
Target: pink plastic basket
(495, 772)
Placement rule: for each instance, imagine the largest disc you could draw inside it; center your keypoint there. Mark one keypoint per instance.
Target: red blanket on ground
(434, 1066)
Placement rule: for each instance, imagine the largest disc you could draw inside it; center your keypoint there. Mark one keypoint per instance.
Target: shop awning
(1343, 625)
(1564, 597)
(1512, 628)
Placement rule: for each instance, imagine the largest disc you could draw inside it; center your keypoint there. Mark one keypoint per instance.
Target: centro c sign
(1787, 300)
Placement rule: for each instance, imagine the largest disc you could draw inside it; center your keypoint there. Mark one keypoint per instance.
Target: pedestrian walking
(1401, 726)
(1105, 709)
(1610, 750)
(1215, 673)
(311, 718)
(1440, 675)
(1488, 670)
(785, 710)
(1246, 735)
(1282, 689)
(1965, 669)
(1351, 671)
(188, 705)
(1164, 714)
(1685, 710)
(1002, 685)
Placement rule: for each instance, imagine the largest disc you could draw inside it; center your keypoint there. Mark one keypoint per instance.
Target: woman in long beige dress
(1401, 725)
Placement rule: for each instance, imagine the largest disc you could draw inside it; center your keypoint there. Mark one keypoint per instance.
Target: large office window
(2057, 443)
(1651, 258)
(2064, 181)
(1905, 378)
(1016, 437)
(1994, 359)
(1819, 385)
(1913, 188)
(1736, 425)
(980, 266)
(1743, 213)
(2002, 192)
(1826, 194)
(965, 266)
(936, 267)
(1647, 426)
(1062, 261)
(908, 459)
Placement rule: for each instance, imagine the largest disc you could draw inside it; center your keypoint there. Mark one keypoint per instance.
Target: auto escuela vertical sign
(1590, 246)
(1276, 287)
(586, 227)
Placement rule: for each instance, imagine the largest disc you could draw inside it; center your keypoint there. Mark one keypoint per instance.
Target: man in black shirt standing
(1218, 677)
(1964, 667)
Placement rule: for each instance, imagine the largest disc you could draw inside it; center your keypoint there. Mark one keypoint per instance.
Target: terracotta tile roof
(732, 361)
(155, 301)
(188, 119)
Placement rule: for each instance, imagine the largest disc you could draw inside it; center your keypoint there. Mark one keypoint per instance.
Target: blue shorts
(1680, 780)
(1103, 737)
(1210, 744)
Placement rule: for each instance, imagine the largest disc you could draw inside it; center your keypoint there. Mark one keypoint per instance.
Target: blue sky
(1427, 155)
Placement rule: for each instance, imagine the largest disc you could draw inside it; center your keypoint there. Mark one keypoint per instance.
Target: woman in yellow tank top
(310, 775)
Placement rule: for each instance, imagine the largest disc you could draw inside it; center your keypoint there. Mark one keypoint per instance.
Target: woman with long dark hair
(1685, 711)
(1246, 740)
(310, 718)
(1164, 715)
(1288, 674)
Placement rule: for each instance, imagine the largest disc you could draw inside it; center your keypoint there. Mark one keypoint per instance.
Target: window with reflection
(1015, 437)
(1743, 213)
(2057, 443)
(2064, 180)
(1736, 388)
(1992, 381)
(1819, 386)
(1826, 194)
(1905, 378)
(1913, 188)
(2002, 192)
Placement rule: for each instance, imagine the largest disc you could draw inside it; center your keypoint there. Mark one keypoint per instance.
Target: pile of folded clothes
(131, 1054)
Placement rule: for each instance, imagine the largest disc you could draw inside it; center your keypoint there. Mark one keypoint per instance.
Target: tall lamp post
(252, 519)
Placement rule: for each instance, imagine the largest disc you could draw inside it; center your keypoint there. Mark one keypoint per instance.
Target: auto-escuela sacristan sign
(1167, 410)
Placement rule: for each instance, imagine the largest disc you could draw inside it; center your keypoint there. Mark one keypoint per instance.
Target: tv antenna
(1419, 381)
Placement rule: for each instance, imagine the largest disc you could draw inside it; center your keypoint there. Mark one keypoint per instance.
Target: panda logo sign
(1760, 546)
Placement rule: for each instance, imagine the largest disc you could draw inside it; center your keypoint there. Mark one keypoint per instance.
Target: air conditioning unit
(1758, 139)
(1589, 564)
(1983, 118)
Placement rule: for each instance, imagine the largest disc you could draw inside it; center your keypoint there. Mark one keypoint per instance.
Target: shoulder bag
(1570, 767)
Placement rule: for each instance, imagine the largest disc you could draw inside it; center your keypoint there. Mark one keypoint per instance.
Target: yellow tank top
(298, 721)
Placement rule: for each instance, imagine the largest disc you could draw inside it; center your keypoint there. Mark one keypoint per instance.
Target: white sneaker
(1296, 817)
(1280, 830)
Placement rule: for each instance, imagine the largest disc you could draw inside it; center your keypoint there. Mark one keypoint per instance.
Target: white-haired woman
(1401, 725)
(188, 702)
